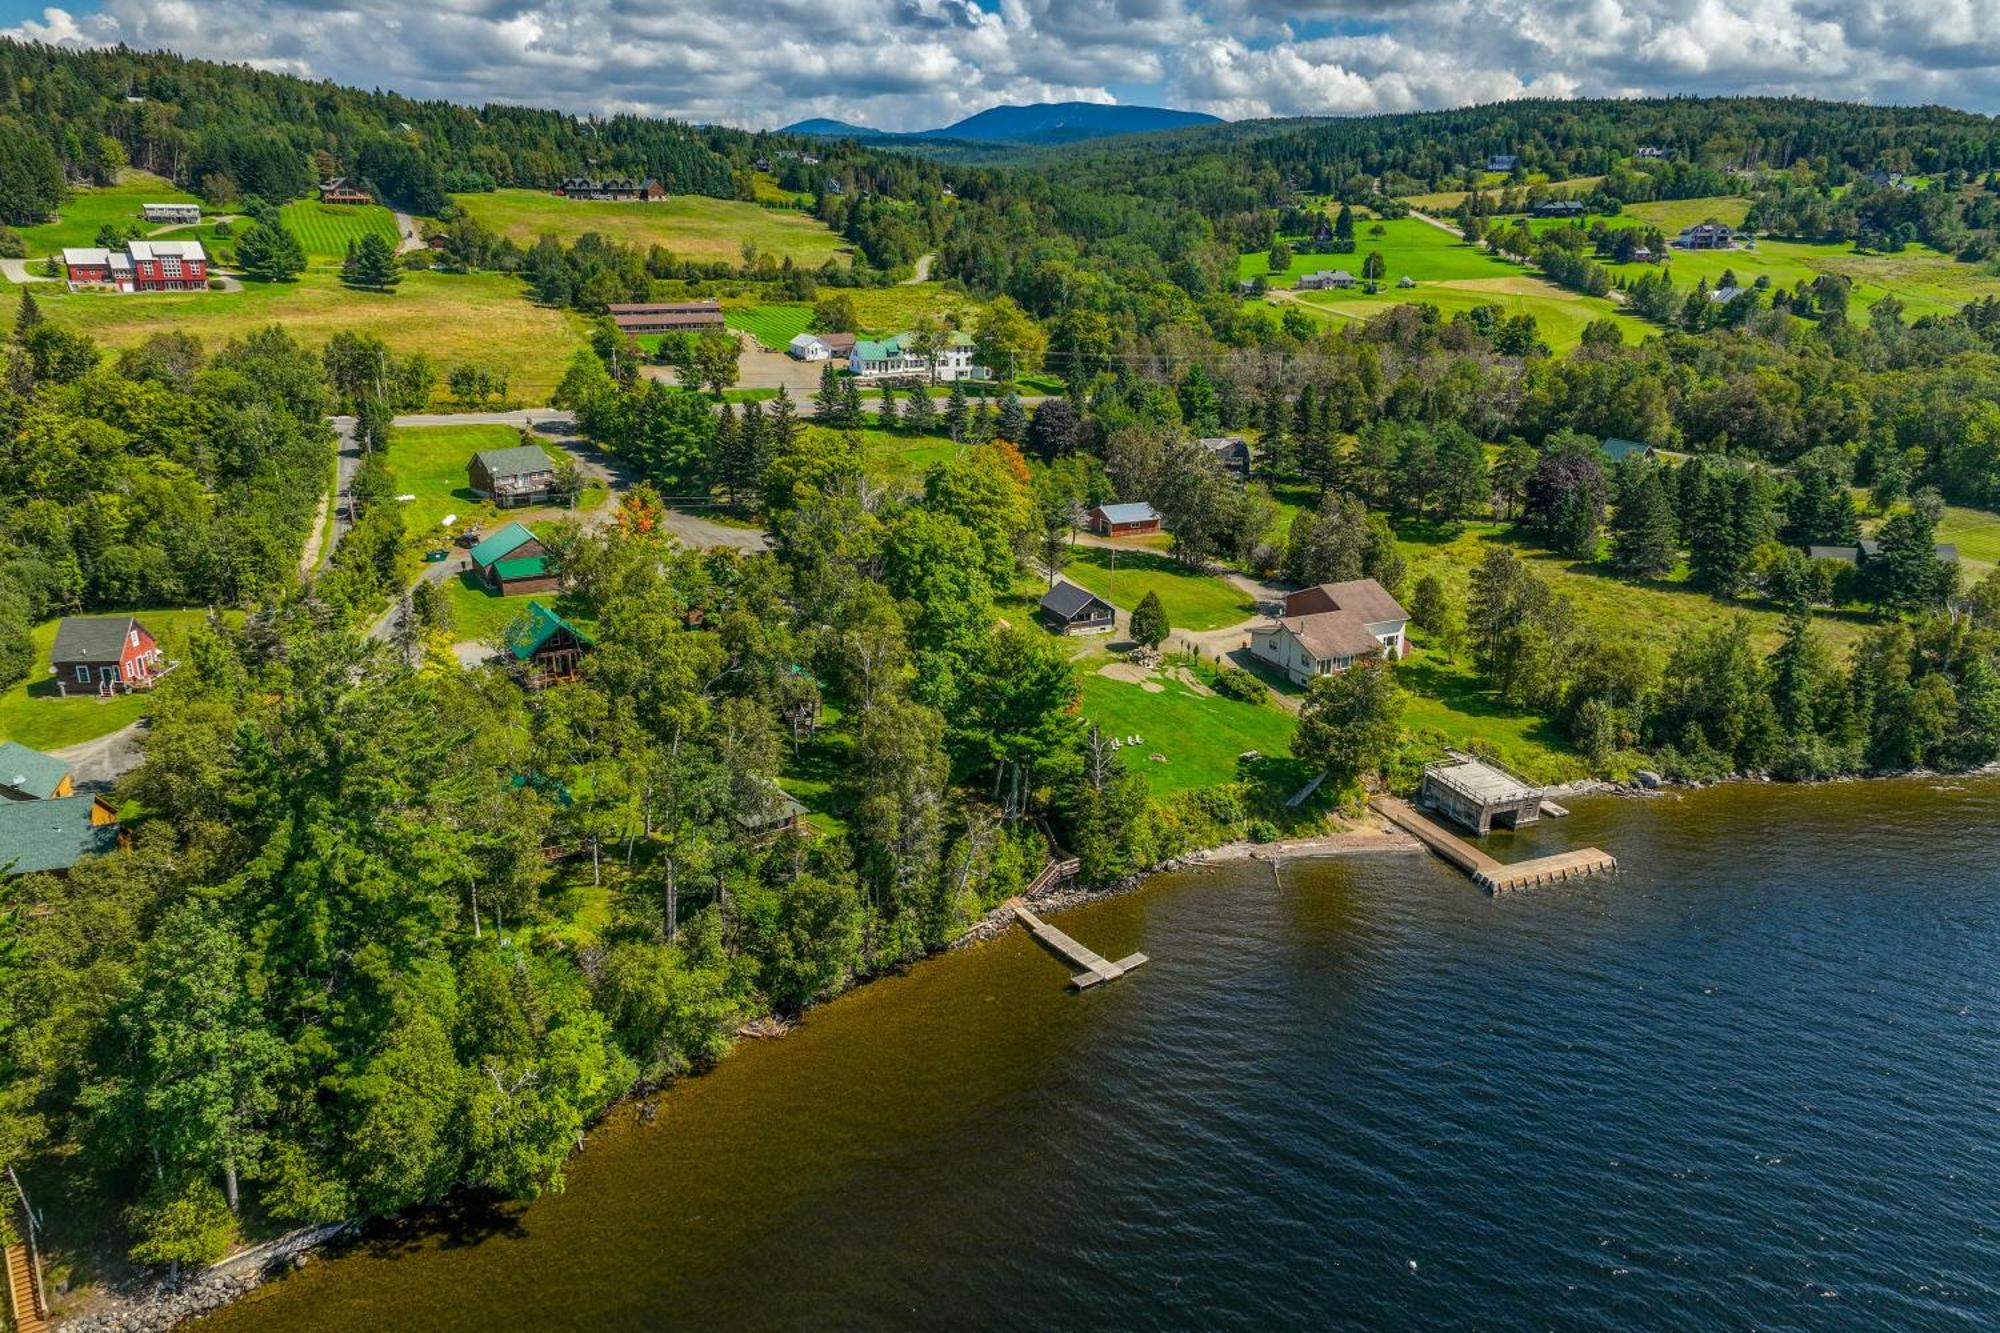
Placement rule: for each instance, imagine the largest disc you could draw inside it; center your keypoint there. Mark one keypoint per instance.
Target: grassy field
(429, 463)
(483, 318)
(325, 229)
(896, 456)
(1199, 735)
(33, 714)
(1192, 601)
(90, 207)
(1976, 532)
(1670, 215)
(1445, 201)
(1448, 699)
(772, 325)
(689, 225)
(885, 310)
(1450, 275)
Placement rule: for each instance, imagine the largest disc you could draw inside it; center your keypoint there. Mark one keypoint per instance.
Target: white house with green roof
(897, 357)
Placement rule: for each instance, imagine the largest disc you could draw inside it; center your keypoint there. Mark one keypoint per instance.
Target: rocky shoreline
(162, 1304)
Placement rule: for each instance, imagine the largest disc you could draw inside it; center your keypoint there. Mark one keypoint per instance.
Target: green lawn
(480, 614)
(1977, 535)
(34, 714)
(1198, 735)
(429, 463)
(692, 226)
(1448, 699)
(1192, 601)
(90, 207)
(483, 318)
(772, 325)
(1670, 215)
(325, 229)
(897, 456)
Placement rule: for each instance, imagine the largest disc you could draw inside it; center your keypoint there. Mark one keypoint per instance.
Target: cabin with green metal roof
(546, 648)
(55, 834)
(512, 561)
(30, 775)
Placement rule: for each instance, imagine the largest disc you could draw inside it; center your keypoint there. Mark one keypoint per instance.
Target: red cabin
(105, 655)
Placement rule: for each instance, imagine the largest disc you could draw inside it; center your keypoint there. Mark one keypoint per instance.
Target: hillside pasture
(1197, 734)
(1447, 201)
(482, 318)
(1670, 215)
(691, 226)
(325, 230)
(89, 207)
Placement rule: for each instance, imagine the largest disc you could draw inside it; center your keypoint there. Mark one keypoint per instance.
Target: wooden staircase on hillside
(24, 1300)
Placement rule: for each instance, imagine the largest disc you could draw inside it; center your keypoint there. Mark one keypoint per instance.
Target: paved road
(17, 271)
(408, 238)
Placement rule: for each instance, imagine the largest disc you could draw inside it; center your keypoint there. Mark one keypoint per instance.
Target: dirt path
(97, 764)
(408, 238)
(17, 271)
(923, 273)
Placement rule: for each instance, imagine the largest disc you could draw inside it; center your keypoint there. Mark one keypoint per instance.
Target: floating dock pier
(1489, 874)
(1092, 967)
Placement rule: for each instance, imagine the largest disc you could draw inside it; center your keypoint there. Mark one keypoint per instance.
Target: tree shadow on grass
(1463, 693)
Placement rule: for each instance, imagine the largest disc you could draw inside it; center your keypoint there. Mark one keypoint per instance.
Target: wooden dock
(1489, 874)
(1092, 967)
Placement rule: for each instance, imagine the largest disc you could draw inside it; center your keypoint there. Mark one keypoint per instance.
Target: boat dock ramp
(1489, 874)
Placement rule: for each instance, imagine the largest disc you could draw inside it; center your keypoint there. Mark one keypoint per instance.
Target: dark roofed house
(1706, 236)
(341, 190)
(1559, 208)
(521, 475)
(1846, 555)
(513, 561)
(636, 317)
(1073, 610)
(1135, 519)
(778, 812)
(55, 834)
(30, 775)
(1502, 162)
(105, 655)
(1231, 451)
(545, 647)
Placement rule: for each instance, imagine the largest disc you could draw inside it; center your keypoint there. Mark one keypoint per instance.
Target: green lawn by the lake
(1198, 736)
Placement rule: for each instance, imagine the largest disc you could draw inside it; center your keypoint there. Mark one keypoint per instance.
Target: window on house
(83, 673)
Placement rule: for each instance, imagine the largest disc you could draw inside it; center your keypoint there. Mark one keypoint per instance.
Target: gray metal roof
(1135, 511)
(520, 461)
(91, 638)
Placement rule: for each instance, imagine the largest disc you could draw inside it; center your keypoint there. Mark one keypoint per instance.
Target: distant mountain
(1041, 122)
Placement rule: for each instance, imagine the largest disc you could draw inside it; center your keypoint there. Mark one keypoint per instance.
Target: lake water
(1751, 1081)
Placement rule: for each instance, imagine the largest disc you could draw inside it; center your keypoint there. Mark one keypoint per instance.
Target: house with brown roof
(636, 317)
(1329, 628)
(342, 190)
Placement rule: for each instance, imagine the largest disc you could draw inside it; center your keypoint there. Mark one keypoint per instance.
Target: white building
(1331, 627)
(171, 212)
(896, 357)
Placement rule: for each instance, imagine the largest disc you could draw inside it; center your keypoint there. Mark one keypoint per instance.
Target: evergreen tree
(1343, 224)
(1013, 423)
(782, 426)
(922, 411)
(1906, 573)
(886, 408)
(269, 252)
(1149, 621)
(957, 411)
(1642, 525)
(850, 404)
(827, 399)
(371, 263)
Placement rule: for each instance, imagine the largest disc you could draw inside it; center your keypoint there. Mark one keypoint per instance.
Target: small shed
(30, 775)
(1231, 451)
(546, 648)
(1135, 519)
(1069, 609)
(1617, 451)
(521, 475)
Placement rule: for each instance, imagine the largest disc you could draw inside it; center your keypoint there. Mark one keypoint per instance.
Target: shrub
(1233, 682)
(216, 284)
(12, 244)
(1263, 830)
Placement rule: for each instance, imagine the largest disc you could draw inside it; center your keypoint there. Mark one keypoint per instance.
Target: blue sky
(914, 64)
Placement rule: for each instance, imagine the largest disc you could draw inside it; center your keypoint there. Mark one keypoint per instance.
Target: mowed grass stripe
(325, 229)
(772, 325)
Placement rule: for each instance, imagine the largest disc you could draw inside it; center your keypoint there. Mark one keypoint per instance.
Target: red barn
(105, 655)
